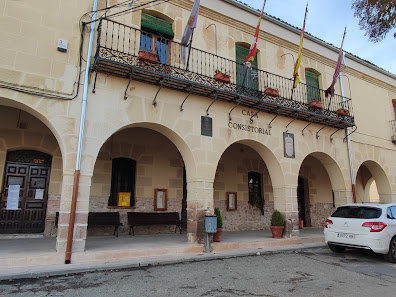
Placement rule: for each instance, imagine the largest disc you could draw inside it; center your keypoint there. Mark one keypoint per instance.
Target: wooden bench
(153, 218)
(100, 219)
(105, 219)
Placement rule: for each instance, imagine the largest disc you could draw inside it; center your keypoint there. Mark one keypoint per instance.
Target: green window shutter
(250, 79)
(312, 80)
(156, 26)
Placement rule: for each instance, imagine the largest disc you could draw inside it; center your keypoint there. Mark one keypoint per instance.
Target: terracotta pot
(224, 78)
(217, 235)
(315, 104)
(272, 92)
(342, 112)
(277, 231)
(148, 56)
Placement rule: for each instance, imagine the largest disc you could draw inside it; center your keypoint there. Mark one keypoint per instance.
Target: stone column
(82, 209)
(342, 197)
(285, 200)
(199, 197)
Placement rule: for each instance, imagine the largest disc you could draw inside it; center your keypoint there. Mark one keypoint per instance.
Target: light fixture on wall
(20, 124)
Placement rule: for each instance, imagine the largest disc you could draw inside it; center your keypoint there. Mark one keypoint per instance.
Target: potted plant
(342, 112)
(219, 233)
(222, 77)
(277, 224)
(271, 92)
(148, 56)
(315, 103)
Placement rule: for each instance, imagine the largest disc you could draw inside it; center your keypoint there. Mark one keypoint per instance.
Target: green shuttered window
(312, 86)
(246, 78)
(157, 26)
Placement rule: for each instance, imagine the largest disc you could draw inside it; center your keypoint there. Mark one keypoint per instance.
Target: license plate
(346, 235)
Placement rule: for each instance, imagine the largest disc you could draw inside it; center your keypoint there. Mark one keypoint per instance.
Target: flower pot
(277, 231)
(217, 235)
(271, 92)
(342, 112)
(315, 104)
(148, 56)
(221, 77)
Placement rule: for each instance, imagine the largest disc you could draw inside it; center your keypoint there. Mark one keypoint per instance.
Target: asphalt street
(310, 272)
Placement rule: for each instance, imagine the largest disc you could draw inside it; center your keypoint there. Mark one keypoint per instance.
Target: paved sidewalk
(145, 251)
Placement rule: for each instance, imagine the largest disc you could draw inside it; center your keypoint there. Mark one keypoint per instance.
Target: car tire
(391, 255)
(336, 248)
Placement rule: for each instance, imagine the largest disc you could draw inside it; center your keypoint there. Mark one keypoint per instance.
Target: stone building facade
(180, 129)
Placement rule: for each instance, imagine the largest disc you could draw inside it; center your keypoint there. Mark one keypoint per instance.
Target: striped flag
(296, 78)
(253, 48)
(330, 90)
(190, 26)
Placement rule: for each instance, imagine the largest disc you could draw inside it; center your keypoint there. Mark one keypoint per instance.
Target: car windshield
(357, 212)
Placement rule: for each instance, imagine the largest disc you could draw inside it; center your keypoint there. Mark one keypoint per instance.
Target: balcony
(119, 53)
(393, 123)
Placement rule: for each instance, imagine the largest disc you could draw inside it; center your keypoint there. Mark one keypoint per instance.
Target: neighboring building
(171, 126)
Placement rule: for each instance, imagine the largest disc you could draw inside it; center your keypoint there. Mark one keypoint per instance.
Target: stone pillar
(285, 200)
(342, 197)
(199, 197)
(82, 209)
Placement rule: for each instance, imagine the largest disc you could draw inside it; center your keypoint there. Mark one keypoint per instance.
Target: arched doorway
(372, 184)
(25, 192)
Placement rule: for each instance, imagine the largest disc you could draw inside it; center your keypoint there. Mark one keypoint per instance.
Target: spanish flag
(253, 48)
(296, 78)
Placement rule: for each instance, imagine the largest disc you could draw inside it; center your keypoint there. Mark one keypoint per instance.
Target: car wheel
(391, 255)
(337, 248)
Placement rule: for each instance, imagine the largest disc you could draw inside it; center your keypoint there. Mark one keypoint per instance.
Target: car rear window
(357, 212)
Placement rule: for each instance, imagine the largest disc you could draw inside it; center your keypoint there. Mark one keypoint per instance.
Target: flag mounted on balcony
(189, 30)
(296, 78)
(330, 90)
(253, 48)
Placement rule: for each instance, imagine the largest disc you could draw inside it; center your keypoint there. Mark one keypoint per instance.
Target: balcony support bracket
(295, 118)
(215, 98)
(191, 89)
(258, 110)
(350, 133)
(159, 89)
(317, 135)
(236, 105)
(277, 114)
(129, 82)
(331, 136)
(96, 75)
(302, 132)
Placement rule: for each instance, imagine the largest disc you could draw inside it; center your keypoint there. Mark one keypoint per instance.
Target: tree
(376, 17)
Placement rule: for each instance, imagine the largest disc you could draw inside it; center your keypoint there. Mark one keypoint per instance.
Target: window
(247, 78)
(312, 80)
(391, 213)
(357, 212)
(122, 180)
(155, 36)
(255, 194)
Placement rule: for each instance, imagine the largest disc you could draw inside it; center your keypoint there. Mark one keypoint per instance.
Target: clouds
(327, 20)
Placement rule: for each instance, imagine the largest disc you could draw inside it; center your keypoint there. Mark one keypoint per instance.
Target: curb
(70, 269)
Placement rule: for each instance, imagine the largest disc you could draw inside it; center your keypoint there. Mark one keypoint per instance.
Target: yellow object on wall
(124, 199)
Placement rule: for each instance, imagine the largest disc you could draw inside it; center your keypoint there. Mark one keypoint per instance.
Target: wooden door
(33, 181)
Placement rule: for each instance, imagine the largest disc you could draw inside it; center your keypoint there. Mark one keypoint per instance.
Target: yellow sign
(124, 199)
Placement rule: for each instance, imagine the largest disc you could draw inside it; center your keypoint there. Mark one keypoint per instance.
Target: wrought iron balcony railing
(393, 123)
(134, 54)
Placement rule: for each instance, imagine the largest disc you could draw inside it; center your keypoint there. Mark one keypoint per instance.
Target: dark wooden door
(33, 195)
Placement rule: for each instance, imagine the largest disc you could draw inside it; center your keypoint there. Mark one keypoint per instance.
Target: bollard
(288, 228)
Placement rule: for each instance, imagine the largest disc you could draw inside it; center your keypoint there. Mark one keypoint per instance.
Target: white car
(363, 226)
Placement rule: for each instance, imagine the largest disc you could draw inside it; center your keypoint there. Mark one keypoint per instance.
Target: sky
(326, 20)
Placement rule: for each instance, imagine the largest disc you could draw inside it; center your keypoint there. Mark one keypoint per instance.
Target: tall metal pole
(73, 207)
(351, 169)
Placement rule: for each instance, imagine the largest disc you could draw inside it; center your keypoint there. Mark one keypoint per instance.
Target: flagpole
(189, 48)
(297, 65)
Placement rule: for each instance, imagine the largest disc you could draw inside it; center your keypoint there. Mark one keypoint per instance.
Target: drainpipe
(80, 142)
(348, 139)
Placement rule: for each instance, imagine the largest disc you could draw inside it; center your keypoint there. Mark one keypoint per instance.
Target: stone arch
(378, 173)
(175, 138)
(269, 158)
(43, 118)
